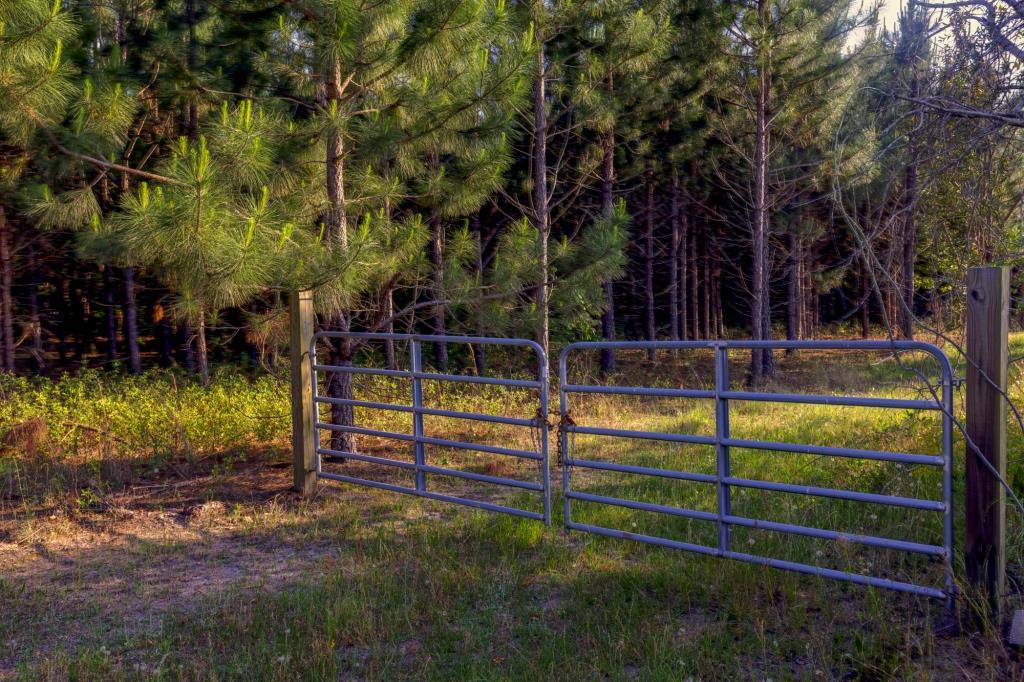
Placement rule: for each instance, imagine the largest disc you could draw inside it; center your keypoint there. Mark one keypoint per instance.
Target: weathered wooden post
(988, 309)
(303, 409)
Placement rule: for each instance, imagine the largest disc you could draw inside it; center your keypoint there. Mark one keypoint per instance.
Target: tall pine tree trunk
(479, 351)
(716, 302)
(694, 284)
(607, 207)
(760, 314)
(865, 301)
(909, 237)
(131, 322)
(389, 328)
(62, 287)
(541, 207)
(675, 329)
(339, 384)
(202, 356)
(6, 303)
(437, 263)
(794, 302)
(706, 289)
(192, 119)
(35, 319)
(110, 302)
(186, 344)
(649, 326)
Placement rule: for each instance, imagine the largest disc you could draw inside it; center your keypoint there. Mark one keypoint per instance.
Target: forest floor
(148, 530)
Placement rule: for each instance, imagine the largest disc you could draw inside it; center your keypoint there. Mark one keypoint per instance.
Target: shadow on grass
(363, 586)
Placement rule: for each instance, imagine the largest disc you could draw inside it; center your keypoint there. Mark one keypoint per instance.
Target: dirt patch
(149, 552)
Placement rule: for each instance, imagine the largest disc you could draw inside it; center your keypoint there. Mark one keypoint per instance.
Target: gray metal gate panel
(417, 409)
(724, 481)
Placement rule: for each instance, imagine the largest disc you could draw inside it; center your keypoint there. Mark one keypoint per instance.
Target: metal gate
(416, 376)
(722, 395)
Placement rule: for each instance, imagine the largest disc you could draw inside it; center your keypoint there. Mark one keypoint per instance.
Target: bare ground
(151, 551)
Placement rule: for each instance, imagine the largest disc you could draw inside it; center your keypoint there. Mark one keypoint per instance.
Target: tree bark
(794, 301)
(706, 289)
(131, 322)
(35, 319)
(675, 328)
(694, 284)
(716, 300)
(479, 351)
(437, 261)
(192, 117)
(389, 328)
(541, 207)
(111, 315)
(6, 302)
(186, 343)
(62, 286)
(909, 237)
(649, 321)
(865, 305)
(202, 355)
(761, 364)
(607, 207)
(339, 384)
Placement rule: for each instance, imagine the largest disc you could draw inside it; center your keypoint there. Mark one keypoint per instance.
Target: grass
(174, 552)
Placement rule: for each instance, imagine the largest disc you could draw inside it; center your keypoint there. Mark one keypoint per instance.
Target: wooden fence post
(988, 298)
(303, 441)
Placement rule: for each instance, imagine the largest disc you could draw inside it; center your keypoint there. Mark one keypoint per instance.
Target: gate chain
(565, 421)
(540, 421)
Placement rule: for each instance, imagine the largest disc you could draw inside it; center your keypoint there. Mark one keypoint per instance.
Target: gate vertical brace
(721, 449)
(416, 362)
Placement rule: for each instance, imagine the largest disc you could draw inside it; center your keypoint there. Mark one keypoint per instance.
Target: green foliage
(35, 80)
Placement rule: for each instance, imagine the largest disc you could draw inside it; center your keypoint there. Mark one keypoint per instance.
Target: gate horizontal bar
(468, 379)
(639, 390)
(488, 506)
(800, 448)
(440, 442)
(838, 536)
(643, 506)
(373, 371)
(809, 344)
(852, 495)
(431, 338)
(433, 376)
(640, 537)
(848, 401)
(647, 471)
(820, 571)
(834, 574)
(430, 469)
(434, 412)
(360, 457)
(646, 435)
(820, 533)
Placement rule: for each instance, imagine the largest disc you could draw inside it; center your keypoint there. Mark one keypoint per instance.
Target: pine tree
(35, 87)
(783, 51)
(377, 79)
(621, 44)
